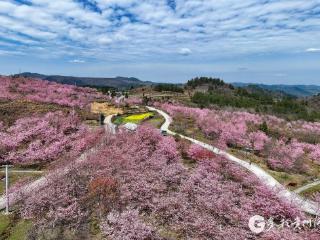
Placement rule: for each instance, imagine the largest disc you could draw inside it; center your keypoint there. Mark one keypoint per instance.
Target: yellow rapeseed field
(136, 118)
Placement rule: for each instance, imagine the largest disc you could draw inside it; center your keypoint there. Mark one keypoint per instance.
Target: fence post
(7, 189)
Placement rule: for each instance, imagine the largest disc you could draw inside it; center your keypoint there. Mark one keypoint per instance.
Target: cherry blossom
(147, 191)
(42, 139)
(47, 92)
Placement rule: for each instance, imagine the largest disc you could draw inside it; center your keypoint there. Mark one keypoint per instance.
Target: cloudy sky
(270, 41)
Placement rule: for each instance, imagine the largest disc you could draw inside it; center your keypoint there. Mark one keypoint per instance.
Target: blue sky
(270, 41)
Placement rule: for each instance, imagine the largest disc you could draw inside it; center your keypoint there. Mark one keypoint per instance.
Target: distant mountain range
(295, 90)
(122, 83)
(117, 82)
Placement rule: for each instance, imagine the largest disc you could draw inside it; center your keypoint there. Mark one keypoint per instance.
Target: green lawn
(4, 223)
(12, 230)
(310, 191)
(156, 121)
(20, 230)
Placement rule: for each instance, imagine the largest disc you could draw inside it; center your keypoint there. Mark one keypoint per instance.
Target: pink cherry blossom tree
(148, 192)
(42, 139)
(47, 92)
(286, 156)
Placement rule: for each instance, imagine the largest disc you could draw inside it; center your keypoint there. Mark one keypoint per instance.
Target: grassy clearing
(156, 121)
(187, 127)
(310, 191)
(4, 223)
(20, 230)
(13, 228)
(291, 181)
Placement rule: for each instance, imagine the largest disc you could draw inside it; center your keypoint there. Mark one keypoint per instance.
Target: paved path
(109, 126)
(304, 204)
(306, 187)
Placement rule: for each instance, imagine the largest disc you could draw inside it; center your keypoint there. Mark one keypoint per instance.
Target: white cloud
(77, 61)
(11, 52)
(313, 50)
(185, 51)
(150, 30)
(103, 40)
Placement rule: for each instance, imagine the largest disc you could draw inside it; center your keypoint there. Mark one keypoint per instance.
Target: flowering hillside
(285, 145)
(42, 139)
(46, 92)
(136, 187)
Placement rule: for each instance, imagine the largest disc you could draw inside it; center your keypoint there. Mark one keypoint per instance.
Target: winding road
(304, 204)
(109, 126)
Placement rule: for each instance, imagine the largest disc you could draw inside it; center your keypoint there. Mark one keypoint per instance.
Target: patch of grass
(20, 230)
(189, 163)
(169, 234)
(92, 123)
(4, 223)
(156, 121)
(188, 127)
(118, 120)
(291, 180)
(310, 191)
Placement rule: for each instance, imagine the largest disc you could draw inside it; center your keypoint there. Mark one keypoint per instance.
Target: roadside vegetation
(290, 151)
(13, 228)
(311, 191)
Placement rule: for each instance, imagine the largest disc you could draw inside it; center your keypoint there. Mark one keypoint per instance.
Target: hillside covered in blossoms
(159, 120)
(14, 88)
(73, 178)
